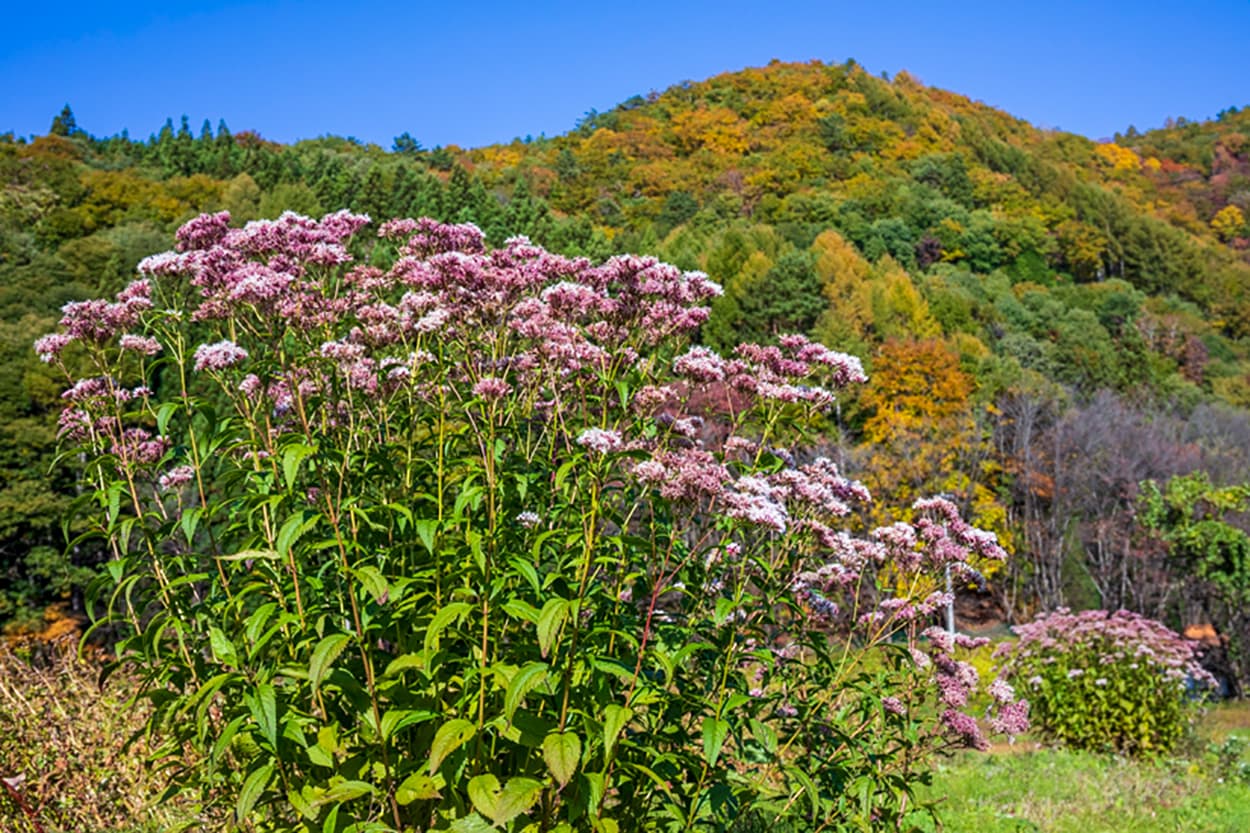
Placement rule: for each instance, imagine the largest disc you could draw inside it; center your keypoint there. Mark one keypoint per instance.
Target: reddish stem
(22, 805)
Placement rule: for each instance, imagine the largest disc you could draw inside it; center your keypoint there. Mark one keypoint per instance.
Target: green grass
(1028, 788)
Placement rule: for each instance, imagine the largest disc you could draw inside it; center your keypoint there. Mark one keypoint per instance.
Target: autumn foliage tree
(920, 434)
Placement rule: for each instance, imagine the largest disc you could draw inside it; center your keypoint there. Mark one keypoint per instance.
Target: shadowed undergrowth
(63, 748)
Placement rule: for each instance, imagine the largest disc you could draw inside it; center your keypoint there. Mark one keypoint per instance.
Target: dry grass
(63, 759)
(1226, 719)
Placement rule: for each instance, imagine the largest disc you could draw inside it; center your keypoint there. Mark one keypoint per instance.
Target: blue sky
(477, 73)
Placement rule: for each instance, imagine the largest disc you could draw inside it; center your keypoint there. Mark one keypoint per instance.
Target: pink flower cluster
(796, 370)
(269, 266)
(755, 501)
(218, 356)
(956, 680)
(426, 237)
(683, 475)
(138, 446)
(176, 477)
(1108, 637)
(144, 345)
(203, 232)
(98, 321)
(492, 388)
(563, 315)
(49, 347)
(599, 440)
(948, 538)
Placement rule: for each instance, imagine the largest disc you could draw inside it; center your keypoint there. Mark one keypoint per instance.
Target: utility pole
(950, 601)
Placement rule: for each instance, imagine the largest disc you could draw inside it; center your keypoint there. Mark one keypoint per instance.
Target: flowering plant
(1106, 681)
(409, 534)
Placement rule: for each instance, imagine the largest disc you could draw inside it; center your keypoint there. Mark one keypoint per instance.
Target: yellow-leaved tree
(1228, 223)
(921, 437)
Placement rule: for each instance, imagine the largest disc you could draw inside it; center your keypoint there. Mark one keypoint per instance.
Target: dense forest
(1048, 322)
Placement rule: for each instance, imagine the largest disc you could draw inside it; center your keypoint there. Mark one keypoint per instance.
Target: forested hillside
(1047, 321)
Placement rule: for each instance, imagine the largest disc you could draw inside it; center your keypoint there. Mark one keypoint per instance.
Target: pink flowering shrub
(412, 535)
(1106, 681)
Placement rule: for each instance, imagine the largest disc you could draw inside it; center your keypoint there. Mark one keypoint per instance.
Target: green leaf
(530, 729)
(123, 533)
(416, 787)
(521, 609)
(163, 415)
(404, 513)
(537, 547)
(291, 459)
(551, 623)
(253, 788)
(807, 787)
(562, 751)
(528, 572)
(190, 521)
(450, 736)
(426, 527)
(475, 546)
(714, 733)
(522, 486)
(293, 529)
(251, 555)
(596, 783)
(323, 656)
(257, 621)
(562, 474)
(403, 663)
(614, 719)
(223, 648)
(472, 823)
(115, 503)
(503, 805)
(396, 719)
(327, 744)
(665, 661)
(519, 794)
(302, 805)
(345, 791)
(683, 653)
(318, 757)
(374, 582)
(203, 697)
(450, 612)
(223, 740)
(523, 682)
(264, 708)
(331, 823)
(484, 793)
(764, 734)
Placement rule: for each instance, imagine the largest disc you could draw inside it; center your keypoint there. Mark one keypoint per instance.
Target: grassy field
(1204, 788)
